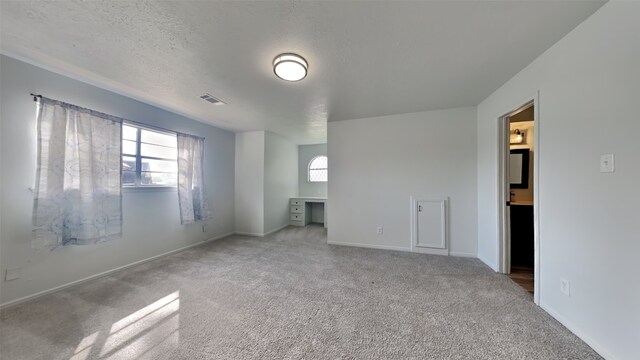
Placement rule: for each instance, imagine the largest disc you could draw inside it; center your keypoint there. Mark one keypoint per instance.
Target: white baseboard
(463, 254)
(249, 234)
(578, 332)
(370, 246)
(105, 273)
(275, 230)
(261, 234)
(396, 248)
(430, 251)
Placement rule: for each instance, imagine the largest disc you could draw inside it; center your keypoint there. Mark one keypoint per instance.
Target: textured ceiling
(365, 58)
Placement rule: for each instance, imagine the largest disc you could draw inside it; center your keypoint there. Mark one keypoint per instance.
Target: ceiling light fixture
(290, 67)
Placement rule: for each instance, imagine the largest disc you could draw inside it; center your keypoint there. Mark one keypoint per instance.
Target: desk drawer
(297, 209)
(297, 223)
(296, 217)
(297, 202)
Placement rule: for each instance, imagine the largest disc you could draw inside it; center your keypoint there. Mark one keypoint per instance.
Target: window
(149, 157)
(318, 169)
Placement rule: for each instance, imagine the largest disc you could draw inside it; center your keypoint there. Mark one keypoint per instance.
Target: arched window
(318, 169)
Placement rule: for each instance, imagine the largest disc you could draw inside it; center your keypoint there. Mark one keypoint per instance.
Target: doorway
(519, 170)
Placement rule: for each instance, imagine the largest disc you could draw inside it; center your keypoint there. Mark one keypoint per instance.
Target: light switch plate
(565, 287)
(606, 163)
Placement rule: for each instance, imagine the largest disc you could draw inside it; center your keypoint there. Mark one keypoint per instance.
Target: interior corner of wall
(491, 264)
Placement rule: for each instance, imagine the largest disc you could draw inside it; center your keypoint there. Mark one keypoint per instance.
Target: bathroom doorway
(521, 188)
(518, 176)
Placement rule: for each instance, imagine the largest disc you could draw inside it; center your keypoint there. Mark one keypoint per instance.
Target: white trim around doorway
(503, 241)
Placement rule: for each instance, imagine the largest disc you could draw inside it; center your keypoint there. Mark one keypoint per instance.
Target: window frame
(309, 169)
(138, 158)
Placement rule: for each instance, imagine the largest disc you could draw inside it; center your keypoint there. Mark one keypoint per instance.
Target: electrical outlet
(12, 274)
(565, 287)
(379, 230)
(607, 163)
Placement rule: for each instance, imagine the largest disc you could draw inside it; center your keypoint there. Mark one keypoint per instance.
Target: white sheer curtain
(193, 203)
(77, 196)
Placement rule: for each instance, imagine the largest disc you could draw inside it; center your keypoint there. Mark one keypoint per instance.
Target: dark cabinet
(522, 236)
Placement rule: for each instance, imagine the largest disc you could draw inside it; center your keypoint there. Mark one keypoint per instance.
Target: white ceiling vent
(210, 98)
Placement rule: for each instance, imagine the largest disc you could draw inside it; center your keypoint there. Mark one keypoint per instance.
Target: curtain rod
(37, 97)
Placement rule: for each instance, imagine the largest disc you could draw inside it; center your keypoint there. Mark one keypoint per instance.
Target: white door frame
(504, 243)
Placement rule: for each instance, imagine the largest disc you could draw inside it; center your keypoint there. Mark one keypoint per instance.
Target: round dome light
(290, 67)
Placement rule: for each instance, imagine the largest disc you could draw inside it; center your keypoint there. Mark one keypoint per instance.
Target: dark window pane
(128, 163)
(128, 178)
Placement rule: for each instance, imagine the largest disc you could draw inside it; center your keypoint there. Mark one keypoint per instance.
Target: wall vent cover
(212, 99)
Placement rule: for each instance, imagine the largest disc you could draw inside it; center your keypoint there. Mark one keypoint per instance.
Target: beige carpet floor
(290, 296)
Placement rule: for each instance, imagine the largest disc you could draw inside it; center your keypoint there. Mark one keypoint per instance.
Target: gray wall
(589, 86)
(280, 180)
(305, 154)
(151, 218)
(378, 163)
(266, 177)
(249, 180)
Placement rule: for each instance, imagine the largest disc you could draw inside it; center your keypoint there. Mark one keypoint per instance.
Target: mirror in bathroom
(519, 169)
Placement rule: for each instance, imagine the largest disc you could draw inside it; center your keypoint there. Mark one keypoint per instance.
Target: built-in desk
(301, 210)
